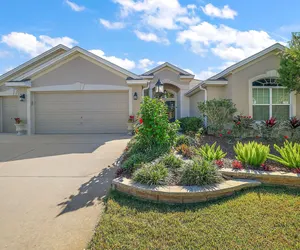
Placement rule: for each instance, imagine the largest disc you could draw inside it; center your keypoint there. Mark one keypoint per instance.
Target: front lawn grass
(261, 218)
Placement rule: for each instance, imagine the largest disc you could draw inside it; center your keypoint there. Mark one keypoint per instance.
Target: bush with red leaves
(271, 122)
(237, 165)
(219, 163)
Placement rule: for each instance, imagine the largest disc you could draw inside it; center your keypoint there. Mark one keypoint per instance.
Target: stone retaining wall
(276, 178)
(181, 194)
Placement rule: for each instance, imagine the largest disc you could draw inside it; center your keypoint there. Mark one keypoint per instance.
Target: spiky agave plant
(289, 154)
(211, 153)
(251, 153)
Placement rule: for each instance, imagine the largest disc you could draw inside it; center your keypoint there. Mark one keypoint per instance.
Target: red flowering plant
(294, 122)
(242, 126)
(18, 120)
(294, 127)
(237, 165)
(268, 128)
(219, 163)
(131, 119)
(265, 167)
(154, 126)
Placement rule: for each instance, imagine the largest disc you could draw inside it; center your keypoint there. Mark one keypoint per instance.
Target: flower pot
(130, 127)
(20, 128)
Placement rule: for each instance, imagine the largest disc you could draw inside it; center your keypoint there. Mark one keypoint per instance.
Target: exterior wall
(198, 97)
(79, 70)
(298, 106)
(238, 82)
(172, 78)
(136, 103)
(214, 92)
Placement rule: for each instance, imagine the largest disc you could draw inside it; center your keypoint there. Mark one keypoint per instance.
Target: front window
(270, 99)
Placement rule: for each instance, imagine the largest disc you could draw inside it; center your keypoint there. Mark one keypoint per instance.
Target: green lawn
(260, 218)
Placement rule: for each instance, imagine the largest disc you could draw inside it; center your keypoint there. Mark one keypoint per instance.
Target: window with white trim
(270, 99)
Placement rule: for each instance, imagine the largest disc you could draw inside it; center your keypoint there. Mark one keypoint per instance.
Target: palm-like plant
(211, 153)
(290, 154)
(251, 153)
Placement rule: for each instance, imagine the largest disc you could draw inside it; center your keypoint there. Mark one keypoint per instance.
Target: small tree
(155, 127)
(289, 71)
(218, 111)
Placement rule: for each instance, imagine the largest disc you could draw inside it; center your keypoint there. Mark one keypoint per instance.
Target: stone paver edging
(181, 194)
(276, 178)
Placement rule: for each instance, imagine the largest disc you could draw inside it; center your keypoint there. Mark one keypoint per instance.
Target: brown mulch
(227, 146)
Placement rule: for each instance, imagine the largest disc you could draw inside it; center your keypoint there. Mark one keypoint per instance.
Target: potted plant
(130, 124)
(20, 126)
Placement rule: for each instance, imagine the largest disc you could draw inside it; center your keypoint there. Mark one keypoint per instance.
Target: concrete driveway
(51, 188)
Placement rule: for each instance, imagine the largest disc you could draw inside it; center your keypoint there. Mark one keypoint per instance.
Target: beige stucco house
(74, 91)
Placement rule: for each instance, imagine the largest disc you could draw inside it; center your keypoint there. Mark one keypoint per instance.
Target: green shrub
(211, 153)
(151, 174)
(251, 153)
(219, 112)
(185, 150)
(171, 161)
(183, 139)
(131, 163)
(139, 154)
(200, 173)
(155, 127)
(290, 154)
(190, 124)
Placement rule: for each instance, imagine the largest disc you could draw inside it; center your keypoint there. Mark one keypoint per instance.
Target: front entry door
(171, 110)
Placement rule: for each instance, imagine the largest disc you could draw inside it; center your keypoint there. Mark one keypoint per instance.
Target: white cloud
(32, 45)
(75, 6)
(225, 42)
(160, 62)
(151, 37)
(205, 74)
(225, 12)
(124, 63)
(158, 14)
(145, 63)
(190, 71)
(112, 25)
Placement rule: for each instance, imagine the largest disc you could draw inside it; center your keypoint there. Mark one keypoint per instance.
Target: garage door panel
(100, 112)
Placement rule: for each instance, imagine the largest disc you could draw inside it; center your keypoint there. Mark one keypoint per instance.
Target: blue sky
(201, 36)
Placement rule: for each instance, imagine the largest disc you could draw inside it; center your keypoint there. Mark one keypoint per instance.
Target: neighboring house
(74, 91)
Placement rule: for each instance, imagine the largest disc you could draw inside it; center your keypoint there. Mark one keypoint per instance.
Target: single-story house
(68, 90)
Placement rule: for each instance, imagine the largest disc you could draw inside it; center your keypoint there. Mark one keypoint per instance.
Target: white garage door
(97, 112)
(9, 111)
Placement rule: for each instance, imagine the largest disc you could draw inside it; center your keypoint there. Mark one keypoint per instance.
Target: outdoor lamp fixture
(159, 89)
(135, 96)
(22, 97)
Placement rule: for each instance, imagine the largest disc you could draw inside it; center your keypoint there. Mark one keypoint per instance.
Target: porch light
(135, 96)
(159, 88)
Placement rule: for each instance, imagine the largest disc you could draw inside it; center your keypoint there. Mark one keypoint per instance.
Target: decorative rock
(181, 194)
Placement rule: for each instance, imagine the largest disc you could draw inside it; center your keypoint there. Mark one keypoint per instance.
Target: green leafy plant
(190, 124)
(151, 174)
(171, 161)
(185, 150)
(200, 173)
(131, 163)
(251, 153)
(242, 127)
(211, 152)
(155, 127)
(183, 139)
(218, 111)
(290, 154)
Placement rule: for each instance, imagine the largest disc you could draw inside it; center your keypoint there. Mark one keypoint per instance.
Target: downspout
(143, 89)
(205, 99)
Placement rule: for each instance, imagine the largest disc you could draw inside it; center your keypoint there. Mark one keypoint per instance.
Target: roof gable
(10, 75)
(276, 46)
(167, 65)
(71, 52)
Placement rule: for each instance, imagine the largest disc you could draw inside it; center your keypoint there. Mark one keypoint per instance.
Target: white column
(29, 112)
(130, 101)
(184, 104)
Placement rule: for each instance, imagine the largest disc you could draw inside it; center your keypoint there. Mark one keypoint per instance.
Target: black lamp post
(159, 89)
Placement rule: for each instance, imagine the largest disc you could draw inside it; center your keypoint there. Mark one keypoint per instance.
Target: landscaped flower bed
(159, 156)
